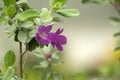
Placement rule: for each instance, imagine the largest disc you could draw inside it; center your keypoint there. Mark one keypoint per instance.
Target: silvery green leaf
(45, 15)
(28, 14)
(61, 1)
(55, 56)
(22, 1)
(37, 21)
(68, 12)
(22, 36)
(12, 79)
(115, 21)
(32, 33)
(57, 19)
(96, 1)
(10, 29)
(8, 75)
(47, 49)
(44, 10)
(27, 24)
(38, 54)
(29, 39)
(44, 64)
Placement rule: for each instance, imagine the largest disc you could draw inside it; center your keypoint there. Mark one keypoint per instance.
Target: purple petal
(40, 40)
(48, 28)
(62, 39)
(59, 31)
(37, 37)
(52, 37)
(59, 47)
(41, 28)
(45, 41)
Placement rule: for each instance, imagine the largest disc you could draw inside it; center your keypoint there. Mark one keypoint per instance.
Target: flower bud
(48, 55)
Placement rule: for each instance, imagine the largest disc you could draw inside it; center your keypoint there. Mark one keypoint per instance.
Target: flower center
(43, 35)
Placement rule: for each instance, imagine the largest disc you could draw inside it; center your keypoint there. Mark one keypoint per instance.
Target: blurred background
(90, 41)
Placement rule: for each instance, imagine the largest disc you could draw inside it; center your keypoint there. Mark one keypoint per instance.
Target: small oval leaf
(9, 59)
(3, 20)
(28, 14)
(11, 11)
(22, 36)
(45, 15)
(8, 75)
(68, 12)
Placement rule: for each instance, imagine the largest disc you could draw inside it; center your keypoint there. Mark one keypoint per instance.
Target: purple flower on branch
(57, 39)
(43, 33)
(44, 36)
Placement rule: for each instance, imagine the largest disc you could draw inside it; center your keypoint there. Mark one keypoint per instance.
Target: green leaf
(57, 19)
(10, 29)
(57, 6)
(9, 2)
(8, 75)
(38, 54)
(38, 21)
(28, 14)
(32, 33)
(96, 1)
(22, 36)
(3, 20)
(22, 1)
(11, 11)
(27, 24)
(45, 15)
(115, 21)
(9, 59)
(32, 45)
(62, 1)
(44, 64)
(117, 34)
(68, 12)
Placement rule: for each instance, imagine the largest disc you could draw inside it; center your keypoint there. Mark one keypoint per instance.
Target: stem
(51, 74)
(25, 50)
(21, 58)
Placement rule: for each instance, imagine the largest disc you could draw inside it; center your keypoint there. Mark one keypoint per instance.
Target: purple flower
(43, 33)
(44, 36)
(57, 39)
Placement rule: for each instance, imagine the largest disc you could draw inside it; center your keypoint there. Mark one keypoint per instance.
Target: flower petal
(61, 39)
(45, 41)
(41, 28)
(59, 47)
(52, 37)
(40, 40)
(48, 28)
(59, 31)
(37, 37)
